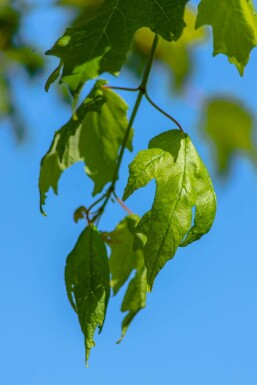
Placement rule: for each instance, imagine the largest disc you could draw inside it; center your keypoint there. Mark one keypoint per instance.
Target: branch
(141, 92)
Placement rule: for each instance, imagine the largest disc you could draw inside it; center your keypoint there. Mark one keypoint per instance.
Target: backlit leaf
(123, 258)
(234, 26)
(230, 126)
(88, 284)
(182, 183)
(52, 168)
(101, 44)
(93, 135)
(127, 256)
(134, 300)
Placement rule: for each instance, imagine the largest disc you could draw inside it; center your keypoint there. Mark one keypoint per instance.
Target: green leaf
(80, 3)
(176, 55)
(126, 256)
(230, 126)
(88, 284)
(9, 24)
(25, 56)
(94, 135)
(182, 183)
(101, 44)
(53, 77)
(234, 26)
(52, 168)
(134, 300)
(5, 102)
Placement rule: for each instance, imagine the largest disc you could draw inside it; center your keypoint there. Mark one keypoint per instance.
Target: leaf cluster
(99, 132)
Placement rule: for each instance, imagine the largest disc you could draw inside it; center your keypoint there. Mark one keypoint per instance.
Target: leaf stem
(122, 88)
(149, 64)
(122, 203)
(141, 92)
(96, 202)
(163, 112)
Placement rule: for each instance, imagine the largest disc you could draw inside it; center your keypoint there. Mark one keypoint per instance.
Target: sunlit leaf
(88, 284)
(230, 126)
(127, 256)
(101, 44)
(124, 258)
(234, 26)
(93, 135)
(182, 183)
(52, 168)
(134, 300)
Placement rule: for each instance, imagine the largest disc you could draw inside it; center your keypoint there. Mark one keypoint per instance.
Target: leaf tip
(87, 357)
(54, 75)
(149, 287)
(42, 211)
(120, 339)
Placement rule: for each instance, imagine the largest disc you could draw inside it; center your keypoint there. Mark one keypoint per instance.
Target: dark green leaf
(9, 24)
(230, 126)
(5, 102)
(234, 26)
(88, 283)
(54, 76)
(182, 183)
(93, 135)
(101, 44)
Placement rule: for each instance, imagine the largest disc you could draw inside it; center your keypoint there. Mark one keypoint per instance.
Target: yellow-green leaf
(134, 300)
(123, 259)
(234, 26)
(94, 135)
(230, 126)
(127, 256)
(182, 183)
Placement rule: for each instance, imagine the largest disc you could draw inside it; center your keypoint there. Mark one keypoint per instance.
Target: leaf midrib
(171, 215)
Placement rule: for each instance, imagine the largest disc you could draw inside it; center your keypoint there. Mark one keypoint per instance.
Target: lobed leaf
(230, 126)
(127, 256)
(88, 284)
(94, 135)
(234, 26)
(102, 42)
(182, 183)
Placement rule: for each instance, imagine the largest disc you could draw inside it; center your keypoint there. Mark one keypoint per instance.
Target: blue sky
(199, 326)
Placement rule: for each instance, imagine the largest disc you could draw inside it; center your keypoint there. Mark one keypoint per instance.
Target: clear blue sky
(199, 327)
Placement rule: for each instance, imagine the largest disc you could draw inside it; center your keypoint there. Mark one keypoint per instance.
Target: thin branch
(96, 202)
(141, 92)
